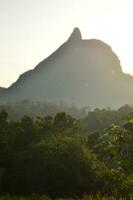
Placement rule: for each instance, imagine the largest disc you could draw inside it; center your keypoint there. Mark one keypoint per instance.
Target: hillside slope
(84, 72)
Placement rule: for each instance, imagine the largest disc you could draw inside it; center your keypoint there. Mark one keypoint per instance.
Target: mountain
(1, 88)
(84, 72)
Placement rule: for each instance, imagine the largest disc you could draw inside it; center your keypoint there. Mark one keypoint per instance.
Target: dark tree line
(50, 155)
(17, 110)
(90, 120)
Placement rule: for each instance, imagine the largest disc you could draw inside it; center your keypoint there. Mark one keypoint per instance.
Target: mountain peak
(85, 72)
(76, 35)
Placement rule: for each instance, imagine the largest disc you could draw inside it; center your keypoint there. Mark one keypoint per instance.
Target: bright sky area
(30, 30)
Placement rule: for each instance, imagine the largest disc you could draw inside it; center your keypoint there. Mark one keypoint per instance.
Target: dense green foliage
(50, 155)
(100, 119)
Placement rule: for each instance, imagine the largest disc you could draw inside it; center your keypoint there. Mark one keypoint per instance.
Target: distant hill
(1, 88)
(84, 72)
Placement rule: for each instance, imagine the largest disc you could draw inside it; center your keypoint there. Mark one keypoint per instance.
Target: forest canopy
(51, 155)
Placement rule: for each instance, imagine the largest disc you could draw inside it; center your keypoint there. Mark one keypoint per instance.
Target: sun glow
(31, 30)
(115, 28)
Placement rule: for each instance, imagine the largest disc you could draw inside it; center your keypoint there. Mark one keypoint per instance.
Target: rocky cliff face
(84, 72)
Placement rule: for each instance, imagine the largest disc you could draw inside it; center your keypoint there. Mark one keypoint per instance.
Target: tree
(62, 166)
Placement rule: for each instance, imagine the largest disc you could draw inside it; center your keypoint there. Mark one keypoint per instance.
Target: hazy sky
(32, 29)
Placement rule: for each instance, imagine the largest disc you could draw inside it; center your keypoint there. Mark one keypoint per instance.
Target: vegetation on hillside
(51, 155)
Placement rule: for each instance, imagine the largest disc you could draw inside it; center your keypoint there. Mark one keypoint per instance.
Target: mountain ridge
(2, 88)
(73, 67)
